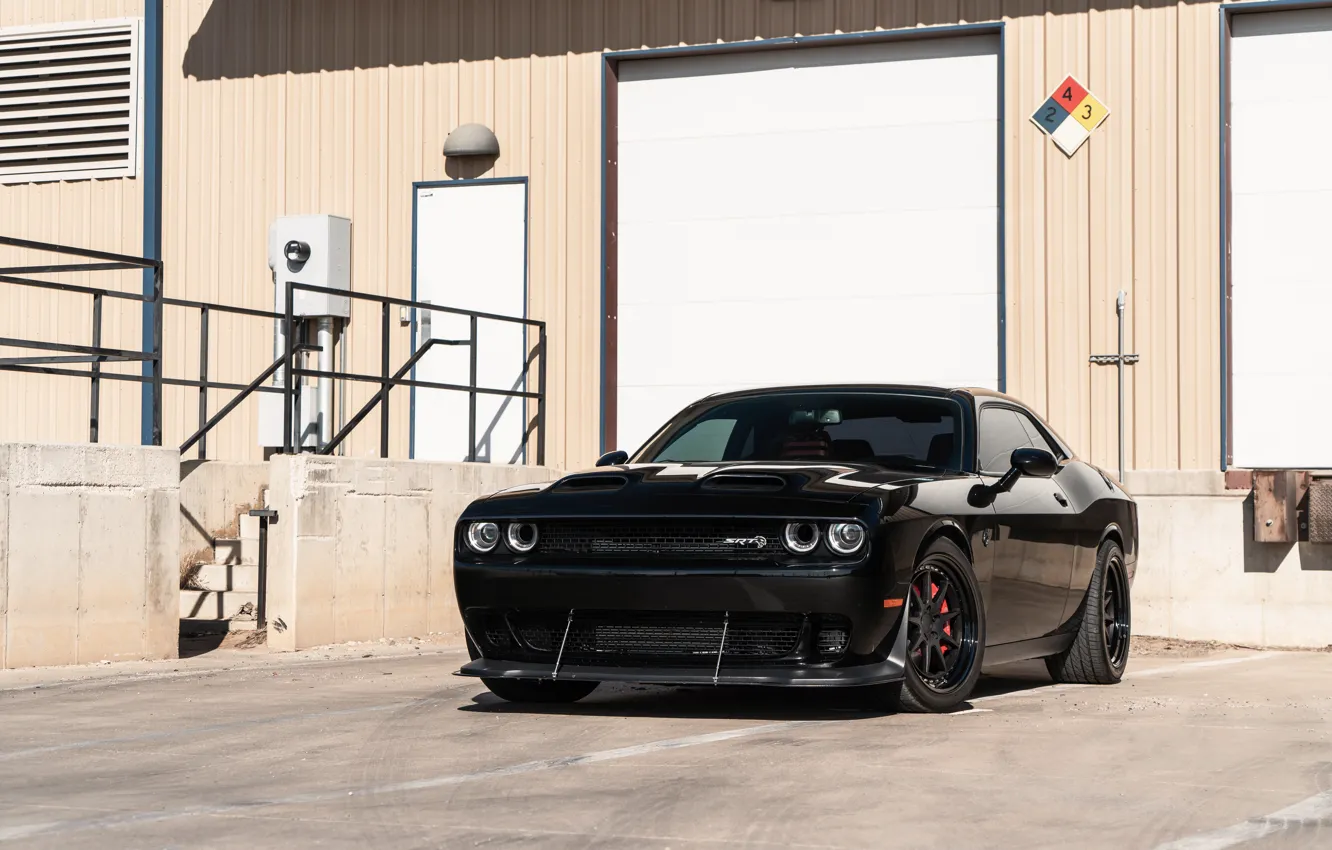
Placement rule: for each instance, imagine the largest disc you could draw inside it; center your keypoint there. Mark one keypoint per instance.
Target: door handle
(1059, 497)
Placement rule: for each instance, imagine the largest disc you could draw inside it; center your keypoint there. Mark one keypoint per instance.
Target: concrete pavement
(1218, 749)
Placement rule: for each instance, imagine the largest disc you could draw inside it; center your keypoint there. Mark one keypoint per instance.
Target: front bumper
(850, 595)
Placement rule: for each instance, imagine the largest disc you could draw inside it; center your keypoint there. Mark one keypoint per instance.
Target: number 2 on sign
(1050, 113)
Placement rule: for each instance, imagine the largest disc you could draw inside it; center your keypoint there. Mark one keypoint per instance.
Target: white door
(471, 254)
(806, 216)
(1281, 215)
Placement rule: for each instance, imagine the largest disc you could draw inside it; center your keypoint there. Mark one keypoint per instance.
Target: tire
(1100, 650)
(927, 689)
(533, 690)
(539, 690)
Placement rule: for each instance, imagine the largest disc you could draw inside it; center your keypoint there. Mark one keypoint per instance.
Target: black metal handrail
(292, 408)
(95, 354)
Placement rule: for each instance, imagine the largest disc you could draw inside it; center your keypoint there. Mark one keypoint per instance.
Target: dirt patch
(1176, 648)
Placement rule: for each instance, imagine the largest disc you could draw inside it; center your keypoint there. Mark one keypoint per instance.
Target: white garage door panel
(792, 90)
(806, 216)
(936, 168)
(910, 340)
(1271, 219)
(728, 260)
(1281, 194)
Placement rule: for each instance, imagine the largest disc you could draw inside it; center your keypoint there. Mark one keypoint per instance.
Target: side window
(1000, 433)
(706, 441)
(1034, 435)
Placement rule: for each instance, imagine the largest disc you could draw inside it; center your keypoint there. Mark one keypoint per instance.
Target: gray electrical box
(315, 250)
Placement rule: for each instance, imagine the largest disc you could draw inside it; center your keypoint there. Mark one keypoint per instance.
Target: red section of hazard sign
(1069, 94)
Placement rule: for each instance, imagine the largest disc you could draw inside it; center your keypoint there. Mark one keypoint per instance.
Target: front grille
(758, 540)
(676, 638)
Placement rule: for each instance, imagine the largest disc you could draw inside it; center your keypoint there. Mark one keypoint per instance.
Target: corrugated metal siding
(100, 214)
(337, 106)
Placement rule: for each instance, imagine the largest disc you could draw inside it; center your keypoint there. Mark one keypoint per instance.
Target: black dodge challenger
(892, 538)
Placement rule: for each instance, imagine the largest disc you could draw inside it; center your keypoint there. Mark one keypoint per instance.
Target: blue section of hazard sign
(1050, 116)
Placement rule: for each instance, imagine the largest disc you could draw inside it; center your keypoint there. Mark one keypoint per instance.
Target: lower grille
(609, 638)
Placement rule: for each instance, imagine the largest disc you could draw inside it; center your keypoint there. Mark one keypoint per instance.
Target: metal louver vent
(69, 102)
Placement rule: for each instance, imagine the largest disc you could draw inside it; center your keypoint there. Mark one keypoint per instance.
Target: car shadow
(746, 703)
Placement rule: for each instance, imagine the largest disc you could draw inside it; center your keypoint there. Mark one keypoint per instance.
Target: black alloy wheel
(945, 632)
(1115, 612)
(1100, 649)
(941, 626)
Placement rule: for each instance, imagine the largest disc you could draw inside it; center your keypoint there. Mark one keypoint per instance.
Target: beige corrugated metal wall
(100, 214)
(337, 106)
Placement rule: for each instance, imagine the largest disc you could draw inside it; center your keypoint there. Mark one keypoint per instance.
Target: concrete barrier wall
(88, 566)
(212, 495)
(363, 549)
(1202, 577)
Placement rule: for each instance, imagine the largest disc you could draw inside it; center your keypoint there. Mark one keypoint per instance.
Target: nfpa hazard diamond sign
(1069, 115)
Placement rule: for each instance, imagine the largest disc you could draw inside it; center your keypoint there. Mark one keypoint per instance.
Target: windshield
(895, 430)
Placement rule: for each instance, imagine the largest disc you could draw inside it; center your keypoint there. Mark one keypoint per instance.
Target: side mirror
(1037, 463)
(614, 458)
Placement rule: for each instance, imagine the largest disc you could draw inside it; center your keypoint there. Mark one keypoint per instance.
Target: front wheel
(1099, 653)
(945, 633)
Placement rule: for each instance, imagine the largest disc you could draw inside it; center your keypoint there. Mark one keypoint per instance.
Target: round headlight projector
(483, 537)
(800, 538)
(846, 538)
(521, 537)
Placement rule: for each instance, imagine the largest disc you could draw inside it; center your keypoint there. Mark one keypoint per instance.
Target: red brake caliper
(943, 609)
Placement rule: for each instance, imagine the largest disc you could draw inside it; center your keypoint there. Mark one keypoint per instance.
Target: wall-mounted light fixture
(472, 140)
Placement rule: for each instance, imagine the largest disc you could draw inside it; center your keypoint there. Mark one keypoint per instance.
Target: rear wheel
(945, 633)
(1100, 651)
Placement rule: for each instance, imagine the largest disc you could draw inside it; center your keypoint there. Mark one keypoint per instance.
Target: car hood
(706, 488)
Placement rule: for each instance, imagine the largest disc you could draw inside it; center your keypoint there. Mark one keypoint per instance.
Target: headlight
(800, 538)
(846, 538)
(521, 537)
(482, 537)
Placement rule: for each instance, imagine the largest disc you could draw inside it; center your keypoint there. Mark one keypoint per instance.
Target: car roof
(935, 389)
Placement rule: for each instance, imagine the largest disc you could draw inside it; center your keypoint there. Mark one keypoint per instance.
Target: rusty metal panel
(1320, 511)
(1276, 500)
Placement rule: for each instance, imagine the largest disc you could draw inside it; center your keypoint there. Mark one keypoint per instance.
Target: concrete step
(249, 527)
(218, 605)
(233, 550)
(224, 577)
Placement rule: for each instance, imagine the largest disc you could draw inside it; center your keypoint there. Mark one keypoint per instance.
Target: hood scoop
(591, 483)
(750, 482)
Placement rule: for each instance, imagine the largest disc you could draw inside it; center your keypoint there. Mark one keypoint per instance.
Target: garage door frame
(610, 183)
(1226, 13)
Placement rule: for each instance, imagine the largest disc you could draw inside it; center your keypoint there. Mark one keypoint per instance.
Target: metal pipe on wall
(324, 397)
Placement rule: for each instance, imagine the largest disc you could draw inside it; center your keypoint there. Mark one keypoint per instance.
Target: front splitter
(883, 672)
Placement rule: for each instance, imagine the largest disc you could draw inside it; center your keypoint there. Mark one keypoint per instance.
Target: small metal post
(541, 399)
(1119, 309)
(157, 354)
(261, 608)
(1120, 360)
(471, 396)
(95, 393)
(385, 386)
(298, 382)
(203, 380)
(286, 375)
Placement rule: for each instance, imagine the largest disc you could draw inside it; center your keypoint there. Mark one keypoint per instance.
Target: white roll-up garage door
(1281, 215)
(805, 216)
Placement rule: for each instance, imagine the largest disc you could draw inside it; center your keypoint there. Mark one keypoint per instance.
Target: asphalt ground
(379, 746)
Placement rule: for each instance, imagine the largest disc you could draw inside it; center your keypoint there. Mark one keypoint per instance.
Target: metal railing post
(471, 395)
(386, 386)
(95, 392)
(157, 353)
(286, 372)
(203, 380)
(541, 398)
